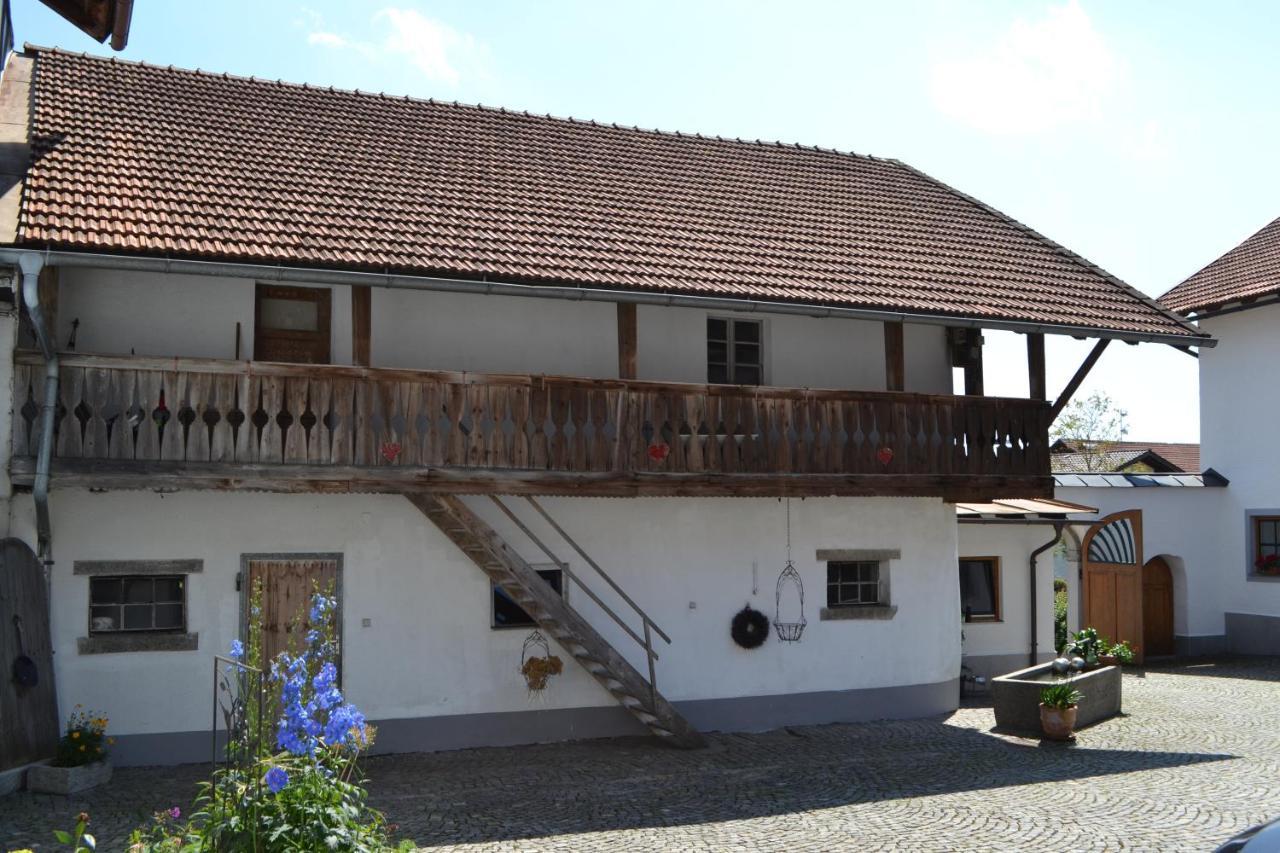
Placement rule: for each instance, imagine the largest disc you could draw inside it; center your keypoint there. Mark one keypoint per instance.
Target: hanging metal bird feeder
(788, 616)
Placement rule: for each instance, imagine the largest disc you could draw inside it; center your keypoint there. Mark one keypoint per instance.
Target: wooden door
(29, 722)
(1157, 607)
(288, 584)
(1112, 559)
(291, 324)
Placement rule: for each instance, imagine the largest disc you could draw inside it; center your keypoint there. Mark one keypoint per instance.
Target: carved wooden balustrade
(202, 423)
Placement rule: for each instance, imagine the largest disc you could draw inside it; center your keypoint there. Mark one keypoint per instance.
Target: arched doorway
(1112, 557)
(1157, 607)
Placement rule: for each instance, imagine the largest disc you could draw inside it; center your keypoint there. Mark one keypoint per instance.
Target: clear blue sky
(1140, 134)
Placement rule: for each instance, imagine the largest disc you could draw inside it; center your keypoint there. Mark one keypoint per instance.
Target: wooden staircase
(556, 618)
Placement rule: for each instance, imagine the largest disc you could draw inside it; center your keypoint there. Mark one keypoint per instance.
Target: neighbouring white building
(279, 334)
(1199, 575)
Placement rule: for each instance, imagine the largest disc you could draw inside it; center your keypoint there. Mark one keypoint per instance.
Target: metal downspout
(31, 265)
(1057, 535)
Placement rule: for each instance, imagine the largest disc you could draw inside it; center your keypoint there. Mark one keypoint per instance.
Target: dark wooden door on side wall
(29, 723)
(287, 584)
(1157, 607)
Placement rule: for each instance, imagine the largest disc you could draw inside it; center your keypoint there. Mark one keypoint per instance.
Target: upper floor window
(980, 589)
(735, 352)
(292, 324)
(137, 603)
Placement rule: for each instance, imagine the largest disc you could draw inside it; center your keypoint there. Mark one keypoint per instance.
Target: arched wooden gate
(1112, 596)
(28, 704)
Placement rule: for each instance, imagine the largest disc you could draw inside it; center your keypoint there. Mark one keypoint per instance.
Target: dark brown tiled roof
(1247, 272)
(1180, 456)
(160, 161)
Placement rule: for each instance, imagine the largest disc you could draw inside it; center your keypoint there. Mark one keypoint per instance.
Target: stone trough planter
(1016, 696)
(47, 779)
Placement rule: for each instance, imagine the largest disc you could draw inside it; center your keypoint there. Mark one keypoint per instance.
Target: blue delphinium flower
(276, 779)
(320, 607)
(237, 650)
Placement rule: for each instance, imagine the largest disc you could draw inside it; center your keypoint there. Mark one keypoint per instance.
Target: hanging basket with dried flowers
(537, 664)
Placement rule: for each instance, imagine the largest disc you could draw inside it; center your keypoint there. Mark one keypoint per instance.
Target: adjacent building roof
(1159, 456)
(134, 158)
(1248, 272)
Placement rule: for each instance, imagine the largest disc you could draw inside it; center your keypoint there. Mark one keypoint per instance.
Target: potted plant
(1085, 644)
(1058, 704)
(1115, 654)
(1268, 565)
(81, 759)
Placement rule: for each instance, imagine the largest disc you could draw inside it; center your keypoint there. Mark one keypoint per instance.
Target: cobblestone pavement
(1195, 760)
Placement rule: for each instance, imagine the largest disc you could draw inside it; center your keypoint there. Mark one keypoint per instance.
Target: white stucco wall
(1238, 418)
(429, 649)
(156, 314)
(1008, 641)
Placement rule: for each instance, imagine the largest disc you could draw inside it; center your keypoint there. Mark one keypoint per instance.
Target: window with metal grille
(1266, 543)
(980, 589)
(508, 614)
(137, 603)
(853, 583)
(735, 352)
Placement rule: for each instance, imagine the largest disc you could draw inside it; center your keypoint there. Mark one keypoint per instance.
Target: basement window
(137, 603)
(858, 583)
(508, 614)
(980, 589)
(735, 351)
(853, 583)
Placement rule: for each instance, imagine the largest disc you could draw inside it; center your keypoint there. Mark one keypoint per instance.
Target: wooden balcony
(128, 422)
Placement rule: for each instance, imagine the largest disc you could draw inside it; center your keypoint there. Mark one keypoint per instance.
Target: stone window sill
(107, 644)
(872, 611)
(1254, 576)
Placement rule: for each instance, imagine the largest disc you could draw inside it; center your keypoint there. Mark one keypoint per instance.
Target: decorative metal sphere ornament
(1061, 665)
(1077, 664)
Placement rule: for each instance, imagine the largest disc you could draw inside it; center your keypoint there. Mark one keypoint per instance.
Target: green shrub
(1059, 615)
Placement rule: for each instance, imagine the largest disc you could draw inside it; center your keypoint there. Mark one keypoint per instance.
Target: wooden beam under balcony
(133, 422)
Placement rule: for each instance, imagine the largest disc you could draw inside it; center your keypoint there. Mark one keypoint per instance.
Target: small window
(137, 603)
(980, 589)
(508, 614)
(735, 352)
(1266, 543)
(853, 583)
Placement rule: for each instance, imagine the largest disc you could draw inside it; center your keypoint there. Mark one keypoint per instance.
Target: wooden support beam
(973, 383)
(345, 479)
(626, 340)
(895, 369)
(1090, 360)
(361, 325)
(1035, 367)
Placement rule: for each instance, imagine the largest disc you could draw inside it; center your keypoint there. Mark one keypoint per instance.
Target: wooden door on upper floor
(287, 584)
(291, 324)
(1112, 561)
(1157, 607)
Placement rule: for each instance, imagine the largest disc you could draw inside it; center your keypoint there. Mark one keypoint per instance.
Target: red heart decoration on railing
(885, 455)
(390, 451)
(659, 452)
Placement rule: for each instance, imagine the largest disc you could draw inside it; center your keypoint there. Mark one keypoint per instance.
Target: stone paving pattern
(1195, 759)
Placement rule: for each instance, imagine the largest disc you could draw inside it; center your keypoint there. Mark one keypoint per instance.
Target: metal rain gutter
(303, 275)
(30, 265)
(1057, 534)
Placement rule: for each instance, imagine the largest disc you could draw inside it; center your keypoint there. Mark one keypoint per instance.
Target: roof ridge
(1219, 258)
(1062, 250)
(28, 47)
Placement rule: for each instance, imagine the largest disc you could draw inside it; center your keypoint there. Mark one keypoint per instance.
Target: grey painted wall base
(1252, 634)
(1196, 647)
(463, 731)
(989, 666)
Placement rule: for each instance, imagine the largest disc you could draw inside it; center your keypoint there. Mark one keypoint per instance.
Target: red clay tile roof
(132, 158)
(1183, 456)
(1248, 271)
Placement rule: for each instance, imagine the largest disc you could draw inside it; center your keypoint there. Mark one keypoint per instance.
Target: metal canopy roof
(1013, 510)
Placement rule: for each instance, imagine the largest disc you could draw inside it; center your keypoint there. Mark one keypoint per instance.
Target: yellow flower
(111, 741)
(99, 749)
(82, 747)
(75, 736)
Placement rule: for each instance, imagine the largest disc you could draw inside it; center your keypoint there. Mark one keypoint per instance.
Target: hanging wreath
(750, 628)
(536, 668)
